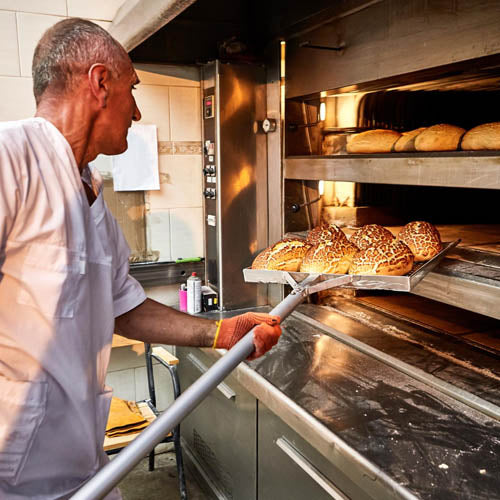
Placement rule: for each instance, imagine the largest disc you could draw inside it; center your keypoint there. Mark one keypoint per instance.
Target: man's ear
(98, 77)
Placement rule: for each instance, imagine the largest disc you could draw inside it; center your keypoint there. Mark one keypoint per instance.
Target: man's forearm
(153, 322)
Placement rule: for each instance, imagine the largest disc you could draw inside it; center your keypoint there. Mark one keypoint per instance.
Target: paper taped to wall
(137, 168)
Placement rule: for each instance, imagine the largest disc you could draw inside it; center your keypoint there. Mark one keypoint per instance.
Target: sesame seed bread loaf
(372, 141)
(407, 140)
(422, 238)
(325, 232)
(393, 259)
(482, 137)
(285, 255)
(329, 257)
(440, 137)
(371, 235)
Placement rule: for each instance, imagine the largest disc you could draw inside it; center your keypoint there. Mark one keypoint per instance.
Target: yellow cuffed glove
(231, 330)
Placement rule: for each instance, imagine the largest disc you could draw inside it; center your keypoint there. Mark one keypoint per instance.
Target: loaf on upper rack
(407, 140)
(422, 238)
(392, 258)
(372, 141)
(482, 137)
(285, 255)
(442, 137)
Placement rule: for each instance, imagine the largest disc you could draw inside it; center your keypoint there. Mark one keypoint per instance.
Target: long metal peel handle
(111, 474)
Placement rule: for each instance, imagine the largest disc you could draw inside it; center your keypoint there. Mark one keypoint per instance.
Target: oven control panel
(209, 169)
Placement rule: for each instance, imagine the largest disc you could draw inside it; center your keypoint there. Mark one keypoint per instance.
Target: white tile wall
(180, 183)
(185, 114)
(123, 383)
(158, 233)
(9, 56)
(153, 102)
(163, 385)
(187, 226)
(126, 357)
(102, 24)
(94, 9)
(18, 101)
(30, 29)
(54, 7)
(168, 295)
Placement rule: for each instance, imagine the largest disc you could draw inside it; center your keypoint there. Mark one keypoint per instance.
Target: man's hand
(266, 335)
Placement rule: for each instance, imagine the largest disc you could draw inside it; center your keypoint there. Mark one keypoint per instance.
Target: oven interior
(316, 126)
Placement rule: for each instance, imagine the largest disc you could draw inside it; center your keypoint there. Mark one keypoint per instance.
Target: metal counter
(390, 433)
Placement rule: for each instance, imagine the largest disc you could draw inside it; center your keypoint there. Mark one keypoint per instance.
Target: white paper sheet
(137, 168)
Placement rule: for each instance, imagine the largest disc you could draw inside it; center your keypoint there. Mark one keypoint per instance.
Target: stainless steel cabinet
(220, 436)
(290, 469)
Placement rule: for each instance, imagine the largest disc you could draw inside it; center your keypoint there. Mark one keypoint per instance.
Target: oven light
(322, 111)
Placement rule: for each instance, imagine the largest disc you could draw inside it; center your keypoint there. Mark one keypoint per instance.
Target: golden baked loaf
(393, 259)
(325, 232)
(371, 235)
(407, 140)
(422, 238)
(285, 255)
(260, 262)
(440, 137)
(372, 141)
(482, 137)
(329, 257)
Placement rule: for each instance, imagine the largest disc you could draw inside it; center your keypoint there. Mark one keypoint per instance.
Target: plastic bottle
(193, 294)
(183, 298)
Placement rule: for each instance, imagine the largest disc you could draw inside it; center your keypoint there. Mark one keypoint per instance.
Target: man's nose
(137, 114)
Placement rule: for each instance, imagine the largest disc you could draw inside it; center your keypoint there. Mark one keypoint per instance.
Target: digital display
(209, 106)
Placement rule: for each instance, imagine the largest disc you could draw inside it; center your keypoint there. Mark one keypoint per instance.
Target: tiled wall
(21, 24)
(168, 97)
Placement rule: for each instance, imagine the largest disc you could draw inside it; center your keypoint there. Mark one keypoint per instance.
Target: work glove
(231, 330)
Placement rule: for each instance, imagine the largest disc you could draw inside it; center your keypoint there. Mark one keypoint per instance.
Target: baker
(64, 282)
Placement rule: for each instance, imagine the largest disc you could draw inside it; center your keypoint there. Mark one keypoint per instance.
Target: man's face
(121, 109)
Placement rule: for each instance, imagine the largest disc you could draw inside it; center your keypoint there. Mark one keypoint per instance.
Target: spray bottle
(193, 294)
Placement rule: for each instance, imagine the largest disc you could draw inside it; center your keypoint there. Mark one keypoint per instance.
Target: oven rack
(467, 169)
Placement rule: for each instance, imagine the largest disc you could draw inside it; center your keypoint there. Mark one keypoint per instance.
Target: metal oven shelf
(360, 282)
(454, 169)
(471, 282)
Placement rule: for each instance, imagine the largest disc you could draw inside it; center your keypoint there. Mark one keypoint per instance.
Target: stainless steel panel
(452, 170)
(221, 433)
(240, 205)
(303, 463)
(274, 159)
(479, 404)
(289, 468)
(474, 295)
(162, 273)
(392, 38)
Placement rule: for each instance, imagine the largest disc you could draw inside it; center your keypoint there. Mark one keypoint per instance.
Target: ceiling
(235, 29)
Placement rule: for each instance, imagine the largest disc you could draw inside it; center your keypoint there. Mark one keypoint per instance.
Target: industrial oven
(369, 394)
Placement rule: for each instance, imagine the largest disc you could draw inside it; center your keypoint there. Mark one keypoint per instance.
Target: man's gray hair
(69, 49)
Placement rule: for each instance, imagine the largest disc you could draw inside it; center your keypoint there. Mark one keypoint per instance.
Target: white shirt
(63, 280)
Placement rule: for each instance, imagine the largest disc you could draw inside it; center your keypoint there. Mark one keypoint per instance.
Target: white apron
(63, 280)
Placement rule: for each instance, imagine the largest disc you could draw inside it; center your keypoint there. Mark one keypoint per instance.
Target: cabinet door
(290, 469)
(221, 433)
